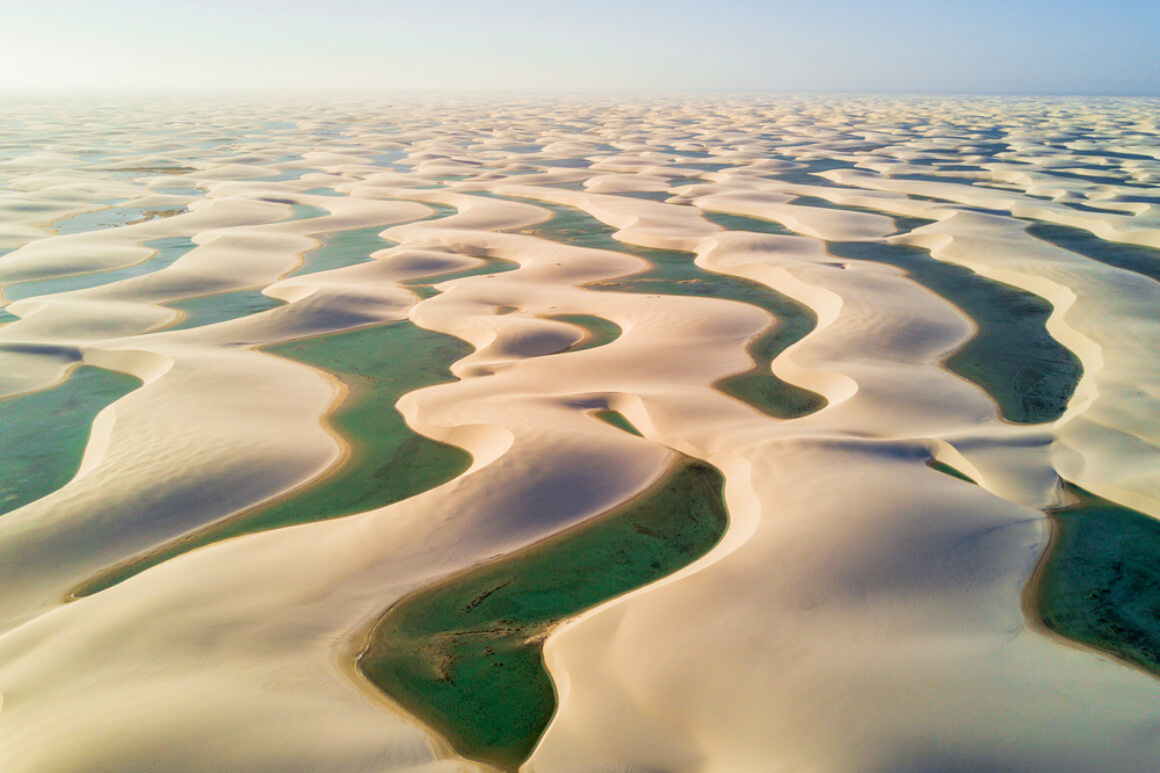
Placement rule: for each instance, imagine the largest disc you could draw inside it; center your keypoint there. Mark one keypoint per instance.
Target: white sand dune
(863, 612)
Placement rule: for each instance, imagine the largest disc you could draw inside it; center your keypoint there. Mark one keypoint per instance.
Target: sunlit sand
(319, 415)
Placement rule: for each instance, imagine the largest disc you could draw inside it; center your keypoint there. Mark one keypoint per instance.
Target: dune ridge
(862, 612)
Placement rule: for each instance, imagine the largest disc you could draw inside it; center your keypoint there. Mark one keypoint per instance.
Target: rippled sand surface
(905, 331)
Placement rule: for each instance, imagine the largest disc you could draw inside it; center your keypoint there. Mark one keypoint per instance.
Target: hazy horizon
(1072, 48)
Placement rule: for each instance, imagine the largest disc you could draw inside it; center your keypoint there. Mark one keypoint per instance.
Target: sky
(878, 46)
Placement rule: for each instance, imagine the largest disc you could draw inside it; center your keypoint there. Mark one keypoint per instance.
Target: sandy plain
(862, 612)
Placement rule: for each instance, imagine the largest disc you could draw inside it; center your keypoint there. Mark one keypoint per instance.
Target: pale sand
(862, 612)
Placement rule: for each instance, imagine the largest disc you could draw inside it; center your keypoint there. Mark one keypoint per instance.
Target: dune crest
(565, 296)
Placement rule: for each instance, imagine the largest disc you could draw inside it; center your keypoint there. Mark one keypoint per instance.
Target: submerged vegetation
(40, 460)
(1100, 582)
(465, 654)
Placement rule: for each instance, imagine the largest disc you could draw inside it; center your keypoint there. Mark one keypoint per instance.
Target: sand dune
(865, 610)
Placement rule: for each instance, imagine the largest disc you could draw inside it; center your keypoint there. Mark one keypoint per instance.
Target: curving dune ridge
(320, 415)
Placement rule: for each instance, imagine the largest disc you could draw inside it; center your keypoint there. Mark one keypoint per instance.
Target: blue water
(391, 158)
(181, 191)
(211, 309)
(346, 248)
(289, 174)
(168, 249)
(105, 218)
(44, 433)
(342, 248)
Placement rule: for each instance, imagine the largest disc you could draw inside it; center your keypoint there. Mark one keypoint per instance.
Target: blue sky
(1018, 46)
